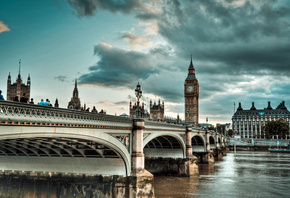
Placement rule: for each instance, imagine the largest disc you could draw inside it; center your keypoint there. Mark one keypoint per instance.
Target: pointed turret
(19, 76)
(28, 80)
(75, 101)
(240, 107)
(253, 106)
(56, 103)
(191, 69)
(76, 92)
(269, 106)
(9, 79)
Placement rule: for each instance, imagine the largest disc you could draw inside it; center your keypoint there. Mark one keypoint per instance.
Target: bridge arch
(198, 143)
(212, 142)
(70, 150)
(164, 145)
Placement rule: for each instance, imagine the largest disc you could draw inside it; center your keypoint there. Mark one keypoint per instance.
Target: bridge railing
(149, 124)
(21, 112)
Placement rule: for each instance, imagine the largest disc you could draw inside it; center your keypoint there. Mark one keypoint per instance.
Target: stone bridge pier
(141, 181)
(218, 153)
(208, 157)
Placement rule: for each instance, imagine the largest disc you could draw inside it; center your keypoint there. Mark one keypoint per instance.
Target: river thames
(252, 174)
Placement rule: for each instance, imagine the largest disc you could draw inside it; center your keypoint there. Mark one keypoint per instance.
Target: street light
(138, 94)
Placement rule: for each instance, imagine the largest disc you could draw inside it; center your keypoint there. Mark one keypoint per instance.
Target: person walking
(1, 96)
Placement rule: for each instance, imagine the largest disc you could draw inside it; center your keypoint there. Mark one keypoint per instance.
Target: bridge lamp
(138, 94)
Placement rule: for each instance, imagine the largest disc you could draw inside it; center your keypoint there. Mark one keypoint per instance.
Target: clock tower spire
(191, 95)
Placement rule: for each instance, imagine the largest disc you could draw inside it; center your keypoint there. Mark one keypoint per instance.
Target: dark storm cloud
(118, 68)
(232, 43)
(90, 7)
(252, 38)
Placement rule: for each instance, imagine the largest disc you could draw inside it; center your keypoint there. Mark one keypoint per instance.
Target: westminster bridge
(50, 140)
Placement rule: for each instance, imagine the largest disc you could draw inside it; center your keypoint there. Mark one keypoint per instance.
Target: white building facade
(248, 123)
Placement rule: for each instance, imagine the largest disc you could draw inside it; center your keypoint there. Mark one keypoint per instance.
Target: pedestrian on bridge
(47, 103)
(31, 101)
(94, 110)
(1, 96)
(24, 98)
(16, 99)
(41, 102)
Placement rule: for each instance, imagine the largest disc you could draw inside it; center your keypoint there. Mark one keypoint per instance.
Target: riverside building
(248, 123)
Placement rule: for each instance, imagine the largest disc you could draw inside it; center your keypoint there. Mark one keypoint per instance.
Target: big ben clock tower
(191, 94)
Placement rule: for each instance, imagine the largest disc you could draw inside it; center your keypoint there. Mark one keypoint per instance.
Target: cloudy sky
(240, 50)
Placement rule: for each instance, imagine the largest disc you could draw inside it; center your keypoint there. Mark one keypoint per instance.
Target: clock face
(189, 89)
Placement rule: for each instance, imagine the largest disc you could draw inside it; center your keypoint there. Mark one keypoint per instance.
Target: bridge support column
(218, 151)
(225, 148)
(208, 157)
(190, 164)
(188, 143)
(141, 181)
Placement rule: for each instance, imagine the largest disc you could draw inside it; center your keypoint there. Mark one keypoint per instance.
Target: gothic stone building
(191, 95)
(157, 111)
(75, 100)
(133, 109)
(18, 88)
(248, 123)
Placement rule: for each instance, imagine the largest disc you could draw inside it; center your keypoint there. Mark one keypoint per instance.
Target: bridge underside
(59, 154)
(164, 146)
(198, 145)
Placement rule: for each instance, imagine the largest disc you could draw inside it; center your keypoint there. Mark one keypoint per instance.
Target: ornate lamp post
(138, 94)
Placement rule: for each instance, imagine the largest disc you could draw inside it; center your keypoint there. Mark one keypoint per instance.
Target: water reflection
(254, 174)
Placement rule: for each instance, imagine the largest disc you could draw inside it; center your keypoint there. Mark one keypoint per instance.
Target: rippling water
(253, 174)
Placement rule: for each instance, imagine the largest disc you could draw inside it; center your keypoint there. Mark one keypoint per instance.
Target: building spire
(191, 64)
(19, 76)
(19, 66)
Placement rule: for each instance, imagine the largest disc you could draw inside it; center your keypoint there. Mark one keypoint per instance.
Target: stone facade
(191, 95)
(157, 111)
(248, 123)
(133, 109)
(18, 88)
(75, 100)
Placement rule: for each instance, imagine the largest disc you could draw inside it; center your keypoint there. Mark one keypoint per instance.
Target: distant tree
(276, 127)
(221, 128)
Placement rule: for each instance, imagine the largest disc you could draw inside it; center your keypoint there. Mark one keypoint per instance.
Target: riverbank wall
(14, 184)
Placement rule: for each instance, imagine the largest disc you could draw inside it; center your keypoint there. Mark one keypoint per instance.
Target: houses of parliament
(191, 96)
